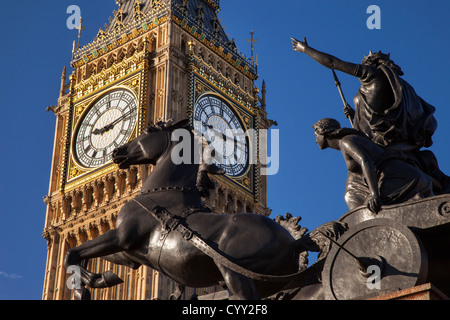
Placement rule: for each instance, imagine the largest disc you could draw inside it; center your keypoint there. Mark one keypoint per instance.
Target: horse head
(156, 143)
(149, 146)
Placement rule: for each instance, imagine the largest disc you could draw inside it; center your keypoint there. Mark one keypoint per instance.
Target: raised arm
(325, 59)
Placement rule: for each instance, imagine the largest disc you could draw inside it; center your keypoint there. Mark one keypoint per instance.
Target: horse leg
(106, 244)
(81, 293)
(176, 295)
(123, 259)
(242, 288)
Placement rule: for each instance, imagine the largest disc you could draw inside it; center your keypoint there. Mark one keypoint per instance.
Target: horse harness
(172, 223)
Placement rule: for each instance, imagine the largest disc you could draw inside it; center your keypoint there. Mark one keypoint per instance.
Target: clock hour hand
(239, 145)
(103, 130)
(111, 125)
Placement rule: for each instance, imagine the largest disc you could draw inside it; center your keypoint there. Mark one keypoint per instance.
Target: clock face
(108, 124)
(220, 126)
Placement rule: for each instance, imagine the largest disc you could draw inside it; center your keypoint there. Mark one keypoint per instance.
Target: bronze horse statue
(171, 197)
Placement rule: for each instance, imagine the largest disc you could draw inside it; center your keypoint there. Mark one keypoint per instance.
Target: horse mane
(169, 125)
(203, 181)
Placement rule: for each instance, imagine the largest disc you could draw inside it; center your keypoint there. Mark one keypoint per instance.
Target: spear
(346, 105)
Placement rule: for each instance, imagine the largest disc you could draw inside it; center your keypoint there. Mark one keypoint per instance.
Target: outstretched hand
(298, 45)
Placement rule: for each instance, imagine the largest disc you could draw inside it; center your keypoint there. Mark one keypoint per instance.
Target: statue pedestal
(423, 292)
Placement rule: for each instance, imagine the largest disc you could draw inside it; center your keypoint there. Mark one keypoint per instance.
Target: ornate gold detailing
(206, 79)
(108, 42)
(137, 10)
(109, 76)
(77, 175)
(235, 61)
(119, 20)
(223, 84)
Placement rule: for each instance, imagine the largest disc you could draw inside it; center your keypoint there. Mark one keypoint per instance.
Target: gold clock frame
(76, 174)
(84, 113)
(244, 123)
(205, 80)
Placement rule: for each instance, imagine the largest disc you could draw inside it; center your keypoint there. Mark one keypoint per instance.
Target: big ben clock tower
(155, 60)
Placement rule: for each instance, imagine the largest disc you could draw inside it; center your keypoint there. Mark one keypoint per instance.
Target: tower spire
(79, 28)
(252, 41)
(263, 96)
(63, 82)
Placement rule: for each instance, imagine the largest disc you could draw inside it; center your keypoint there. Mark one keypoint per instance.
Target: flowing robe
(392, 115)
(406, 125)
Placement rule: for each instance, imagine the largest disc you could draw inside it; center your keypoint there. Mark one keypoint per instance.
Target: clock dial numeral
(109, 123)
(227, 138)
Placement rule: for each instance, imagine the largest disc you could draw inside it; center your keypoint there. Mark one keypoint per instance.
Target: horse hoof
(71, 258)
(108, 279)
(82, 294)
(174, 297)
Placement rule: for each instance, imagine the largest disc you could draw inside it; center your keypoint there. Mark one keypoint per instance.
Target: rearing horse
(252, 241)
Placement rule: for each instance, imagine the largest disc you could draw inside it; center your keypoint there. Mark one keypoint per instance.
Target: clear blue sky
(36, 44)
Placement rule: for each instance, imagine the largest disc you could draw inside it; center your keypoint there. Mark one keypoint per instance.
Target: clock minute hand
(217, 132)
(120, 119)
(111, 125)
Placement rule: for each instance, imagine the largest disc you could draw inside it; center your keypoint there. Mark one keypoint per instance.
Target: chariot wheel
(373, 257)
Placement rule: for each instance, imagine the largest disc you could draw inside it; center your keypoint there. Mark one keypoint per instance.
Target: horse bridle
(160, 189)
(171, 222)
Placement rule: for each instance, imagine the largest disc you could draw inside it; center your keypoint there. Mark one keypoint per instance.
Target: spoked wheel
(374, 257)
